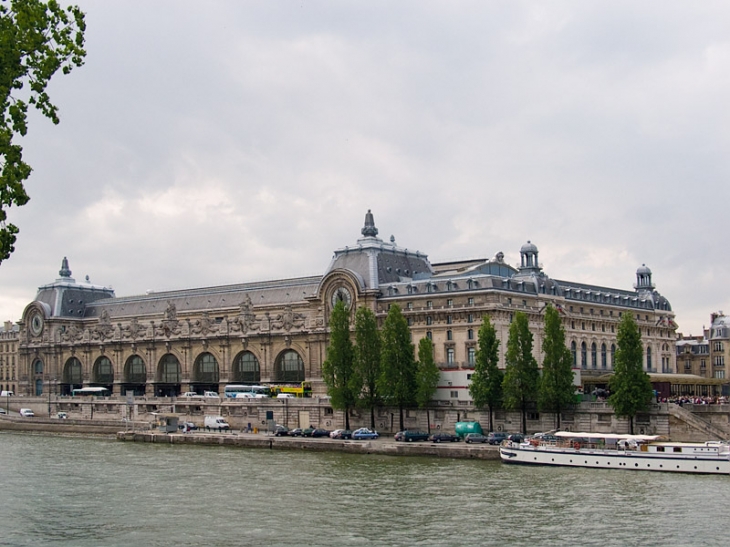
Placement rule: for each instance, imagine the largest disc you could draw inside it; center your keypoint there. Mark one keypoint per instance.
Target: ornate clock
(342, 294)
(36, 324)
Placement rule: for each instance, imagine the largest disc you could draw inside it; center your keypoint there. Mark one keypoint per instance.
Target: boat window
(677, 448)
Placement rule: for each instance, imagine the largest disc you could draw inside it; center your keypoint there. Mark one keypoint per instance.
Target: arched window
(574, 352)
(103, 371)
(72, 372)
(613, 355)
(471, 355)
(583, 355)
(246, 368)
(604, 363)
(206, 369)
(594, 356)
(648, 357)
(38, 366)
(135, 371)
(169, 370)
(289, 367)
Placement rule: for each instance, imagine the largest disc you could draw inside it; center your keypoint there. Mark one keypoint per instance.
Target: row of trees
(521, 386)
(382, 367)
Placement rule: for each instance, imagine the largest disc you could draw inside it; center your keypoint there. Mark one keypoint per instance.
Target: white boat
(615, 451)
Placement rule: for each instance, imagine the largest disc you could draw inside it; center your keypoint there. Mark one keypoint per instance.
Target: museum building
(77, 334)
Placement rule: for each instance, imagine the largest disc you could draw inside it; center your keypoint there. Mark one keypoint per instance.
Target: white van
(211, 395)
(6, 393)
(285, 396)
(218, 423)
(26, 413)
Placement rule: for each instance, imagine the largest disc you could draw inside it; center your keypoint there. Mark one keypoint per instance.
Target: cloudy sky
(207, 143)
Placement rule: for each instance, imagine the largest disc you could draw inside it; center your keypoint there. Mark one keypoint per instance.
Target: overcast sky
(208, 143)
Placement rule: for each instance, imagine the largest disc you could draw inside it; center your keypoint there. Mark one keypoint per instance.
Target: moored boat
(616, 451)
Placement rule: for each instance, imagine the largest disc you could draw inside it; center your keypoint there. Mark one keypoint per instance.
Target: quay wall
(386, 447)
(597, 417)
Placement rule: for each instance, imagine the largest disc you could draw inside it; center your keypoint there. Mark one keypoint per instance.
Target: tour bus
(303, 389)
(90, 391)
(241, 391)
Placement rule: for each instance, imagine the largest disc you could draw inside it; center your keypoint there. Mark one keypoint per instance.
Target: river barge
(616, 451)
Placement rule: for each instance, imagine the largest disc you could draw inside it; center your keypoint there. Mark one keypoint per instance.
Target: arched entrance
(72, 376)
(168, 377)
(289, 368)
(102, 375)
(135, 376)
(246, 369)
(205, 374)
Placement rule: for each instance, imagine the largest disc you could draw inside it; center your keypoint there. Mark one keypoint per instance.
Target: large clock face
(342, 294)
(36, 324)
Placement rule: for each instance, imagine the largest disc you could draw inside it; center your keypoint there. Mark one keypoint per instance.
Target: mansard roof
(66, 297)
(267, 293)
(381, 267)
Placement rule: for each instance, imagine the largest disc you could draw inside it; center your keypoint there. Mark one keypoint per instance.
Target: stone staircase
(712, 431)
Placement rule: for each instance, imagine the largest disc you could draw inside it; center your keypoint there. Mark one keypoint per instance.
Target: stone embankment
(382, 446)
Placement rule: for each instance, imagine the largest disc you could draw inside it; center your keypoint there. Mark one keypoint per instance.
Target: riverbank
(138, 432)
(382, 446)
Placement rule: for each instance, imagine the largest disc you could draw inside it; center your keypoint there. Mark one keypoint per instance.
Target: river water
(72, 491)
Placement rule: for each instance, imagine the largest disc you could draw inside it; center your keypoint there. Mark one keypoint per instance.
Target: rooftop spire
(369, 230)
(64, 271)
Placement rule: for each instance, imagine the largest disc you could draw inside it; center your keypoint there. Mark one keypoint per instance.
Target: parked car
(319, 432)
(516, 437)
(341, 434)
(473, 438)
(211, 395)
(285, 396)
(190, 394)
(185, 426)
(496, 437)
(307, 431)
(26, 413)
(409, 435)
(62, 416)
(281, 431)
(444, 438)
(296, 432)
(364, 433)
(2, 410)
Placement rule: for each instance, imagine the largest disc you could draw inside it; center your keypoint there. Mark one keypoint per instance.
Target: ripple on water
(89, 492)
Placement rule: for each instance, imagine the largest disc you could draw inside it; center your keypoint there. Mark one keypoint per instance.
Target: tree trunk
(428, 421)
(491, 422)
(557, 415)
(347, 418)
(524, 419)
(372, 417)
(631, 425)
(402, 423)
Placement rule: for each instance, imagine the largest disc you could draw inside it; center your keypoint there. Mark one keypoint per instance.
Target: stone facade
(9, 357)
(708, 355)
(77, 334)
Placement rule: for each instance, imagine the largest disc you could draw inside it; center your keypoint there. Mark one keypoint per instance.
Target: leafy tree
(427, 375)
(37, 39)
(631, 389)
(398, 382)
(521, 375)
(367, 359)
(557, 391)
(486, 381)
(338, 369)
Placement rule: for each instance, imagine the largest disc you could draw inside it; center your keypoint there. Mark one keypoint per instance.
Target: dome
(643, 270)
(528, 248)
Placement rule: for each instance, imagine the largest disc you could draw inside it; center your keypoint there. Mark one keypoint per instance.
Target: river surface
(74, 491)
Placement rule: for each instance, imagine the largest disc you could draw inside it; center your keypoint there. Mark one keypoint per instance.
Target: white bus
(240, 391)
